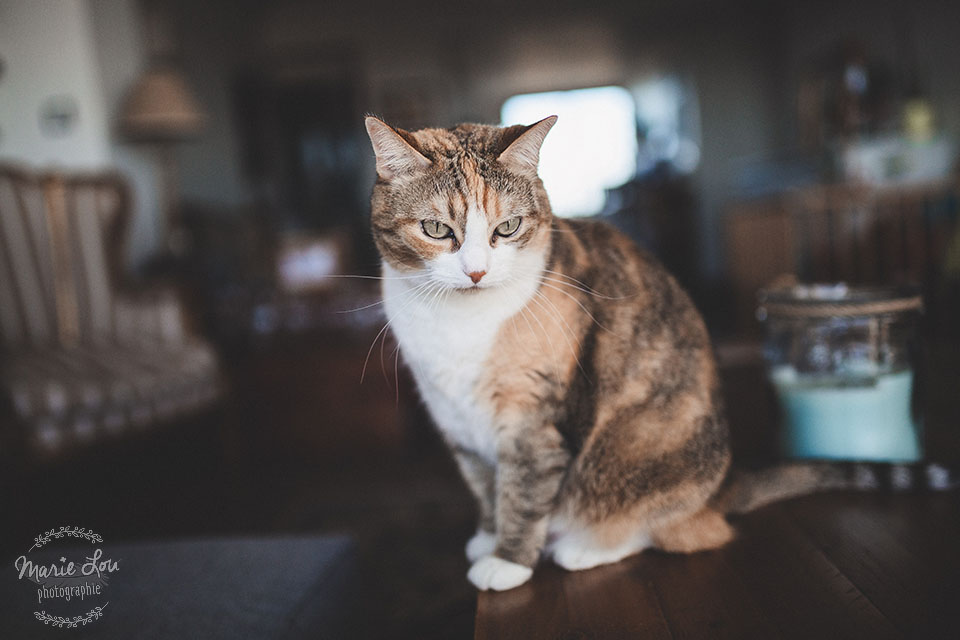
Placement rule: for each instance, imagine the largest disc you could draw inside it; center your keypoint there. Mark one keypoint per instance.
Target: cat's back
(645, 337)
(616, 276)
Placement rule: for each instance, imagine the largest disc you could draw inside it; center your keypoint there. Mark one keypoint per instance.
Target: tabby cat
(568, 372)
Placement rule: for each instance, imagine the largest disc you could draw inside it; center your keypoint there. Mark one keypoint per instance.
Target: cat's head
(462, 206)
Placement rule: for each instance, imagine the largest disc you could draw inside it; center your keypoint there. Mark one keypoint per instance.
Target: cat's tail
(745, 491)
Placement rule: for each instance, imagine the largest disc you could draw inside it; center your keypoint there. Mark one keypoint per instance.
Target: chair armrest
(149, 316)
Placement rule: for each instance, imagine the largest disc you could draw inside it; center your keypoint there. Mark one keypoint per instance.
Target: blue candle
(848, 418)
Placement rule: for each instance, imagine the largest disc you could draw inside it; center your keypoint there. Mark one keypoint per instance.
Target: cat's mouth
(472, 288)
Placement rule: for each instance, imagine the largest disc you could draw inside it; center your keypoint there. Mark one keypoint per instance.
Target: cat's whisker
(396, 372)
(441, 289)
(438, 298)
(533, 331)
(530, 326)
(383, 367)
(586, 288)
(363, 371)
(383, 340)
(366, 306)
(446, 295)
(540, 305)
(539, 299)
(553, 349)
(580, 304)
(557, 313)
(374, 304)
(589, 292)
(413, 276)
(383, 300)
(413, 293)
(556, 316)
(510, 280)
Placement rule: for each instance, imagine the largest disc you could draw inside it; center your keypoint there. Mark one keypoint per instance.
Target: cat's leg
(577, 548)
(625, 498)
(481, 544)
(706, 529)
(480, 477)
(585, 548)
(530, 470)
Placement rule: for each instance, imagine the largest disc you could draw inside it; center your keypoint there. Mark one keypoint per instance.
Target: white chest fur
(446, 339)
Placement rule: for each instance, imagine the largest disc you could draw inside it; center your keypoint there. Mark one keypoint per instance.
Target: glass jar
(841, 360)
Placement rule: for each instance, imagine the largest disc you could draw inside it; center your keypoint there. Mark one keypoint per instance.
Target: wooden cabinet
(850, 233)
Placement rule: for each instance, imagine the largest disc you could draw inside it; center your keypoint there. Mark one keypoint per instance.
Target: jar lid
(839, 299)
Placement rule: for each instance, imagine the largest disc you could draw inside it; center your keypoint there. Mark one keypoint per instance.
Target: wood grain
(845, 565)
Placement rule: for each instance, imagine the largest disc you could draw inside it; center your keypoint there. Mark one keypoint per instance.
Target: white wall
(121, 58)
(48, 50)
(92, 51)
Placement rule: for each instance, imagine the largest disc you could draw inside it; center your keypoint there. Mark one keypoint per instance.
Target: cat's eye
(508, 228)
(436, 230)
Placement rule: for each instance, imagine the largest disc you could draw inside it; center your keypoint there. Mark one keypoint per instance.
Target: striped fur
(575, 383)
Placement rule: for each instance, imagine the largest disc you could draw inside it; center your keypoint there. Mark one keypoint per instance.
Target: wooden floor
(829, 566)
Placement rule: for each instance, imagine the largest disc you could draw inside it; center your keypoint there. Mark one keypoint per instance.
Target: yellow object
(918, 120)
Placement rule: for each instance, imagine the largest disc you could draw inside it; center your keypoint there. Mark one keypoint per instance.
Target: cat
(570, 375)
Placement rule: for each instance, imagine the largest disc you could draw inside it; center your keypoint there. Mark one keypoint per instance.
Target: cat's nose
(476, 275)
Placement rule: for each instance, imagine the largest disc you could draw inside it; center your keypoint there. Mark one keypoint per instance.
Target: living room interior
(192, 342)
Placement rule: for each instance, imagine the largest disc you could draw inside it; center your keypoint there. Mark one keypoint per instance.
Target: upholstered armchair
(81, 360)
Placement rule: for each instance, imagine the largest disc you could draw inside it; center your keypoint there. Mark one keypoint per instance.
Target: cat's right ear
(395, 156)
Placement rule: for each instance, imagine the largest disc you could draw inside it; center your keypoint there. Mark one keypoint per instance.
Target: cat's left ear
(523, 154)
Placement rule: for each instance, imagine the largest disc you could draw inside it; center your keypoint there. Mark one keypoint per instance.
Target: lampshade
(161, 108)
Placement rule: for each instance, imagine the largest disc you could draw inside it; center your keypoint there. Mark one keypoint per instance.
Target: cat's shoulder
(596, 243)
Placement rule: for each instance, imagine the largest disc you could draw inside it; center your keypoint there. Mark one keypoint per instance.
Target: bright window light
(592, 147)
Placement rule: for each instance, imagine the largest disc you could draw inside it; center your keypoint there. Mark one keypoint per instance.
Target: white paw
(481, 544)
(491, 572)
(576, 552)
(576, 558)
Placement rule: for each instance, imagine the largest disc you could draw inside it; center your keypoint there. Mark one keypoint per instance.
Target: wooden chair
(81, 359)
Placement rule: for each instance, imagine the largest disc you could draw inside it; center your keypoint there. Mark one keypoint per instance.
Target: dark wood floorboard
(617, 601)
(844, 565)
(797, 584)
(861, 541)
(703, 594)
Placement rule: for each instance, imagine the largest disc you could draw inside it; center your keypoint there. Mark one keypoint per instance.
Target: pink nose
(476, 276)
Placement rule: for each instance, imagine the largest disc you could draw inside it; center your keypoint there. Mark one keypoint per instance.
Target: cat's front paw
(491, 572)
(481, 544)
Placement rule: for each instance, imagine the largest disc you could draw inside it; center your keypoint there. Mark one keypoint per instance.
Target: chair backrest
(60, 255)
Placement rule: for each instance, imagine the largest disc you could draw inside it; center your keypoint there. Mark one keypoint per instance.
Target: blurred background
(180, 179)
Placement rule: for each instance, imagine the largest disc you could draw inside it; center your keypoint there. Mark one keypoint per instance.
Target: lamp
(160, 110)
